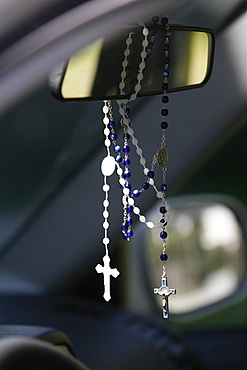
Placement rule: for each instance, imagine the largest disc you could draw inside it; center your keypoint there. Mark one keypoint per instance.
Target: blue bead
(163, 209)
(129, 234)
(124, 227)
(126, 174)
(126, 136)
(168, 34)
(164, 86)
(130, 209)
(167, 60)
(130, 221)
(166, 73)
(164, 21)
(163, 257)
(117, 149)
(154, 33)
(163, 234)
(126, 149)
(119, 158)
(150, 174)
(165, 99)
(155, 19)
(162, 221)
(113, 136)
(167, 47)
(164, 125)
(128, 186)
(127, 111)
(145, 186)
(151, 45)
(126, 161)
(164, 187)
(164, 112)
(112, 124)
(136, 193)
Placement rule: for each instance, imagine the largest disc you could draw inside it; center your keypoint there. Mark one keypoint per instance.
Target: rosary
(118, 159)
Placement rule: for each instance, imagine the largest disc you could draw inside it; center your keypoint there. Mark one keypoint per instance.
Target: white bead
(143, 54)
(105, 109)
(105, 214)
(108, 165)
(125, 63)
(106, 187)
(151, 182)
(123, 74)
(145, 31)
(145, 43)
(124, 200)
(121, 85)
(143, 161)
(119, 171)
(142, 218)
(129, 41)
(106, 131)
(136, 210)
(127, 53)
(125, 121)
(137, 88)
(106, 203)
(142, 65)
(130, 131)
(126, 191)
(105, 225)
(134, 141)
(140, 77)
(122, 181)
(132, 97)
(131, 201)
(150, 225)
(139, 151)
(106, 120)
(107, 143)
(146, 170)
(159, 195)
(106, 241)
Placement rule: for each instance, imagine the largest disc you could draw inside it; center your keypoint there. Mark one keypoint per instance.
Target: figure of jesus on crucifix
(107, 271)
(164, 292)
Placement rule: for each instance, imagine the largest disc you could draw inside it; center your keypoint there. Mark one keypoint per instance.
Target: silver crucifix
(107, 272)
(164, 292)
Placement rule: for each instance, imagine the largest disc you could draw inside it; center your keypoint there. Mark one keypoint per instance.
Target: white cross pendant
(164, 292)
(108, 272)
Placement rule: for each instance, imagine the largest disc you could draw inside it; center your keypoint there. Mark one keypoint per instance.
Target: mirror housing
(94, 72)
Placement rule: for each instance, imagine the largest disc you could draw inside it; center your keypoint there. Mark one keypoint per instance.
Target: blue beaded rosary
(120, 161)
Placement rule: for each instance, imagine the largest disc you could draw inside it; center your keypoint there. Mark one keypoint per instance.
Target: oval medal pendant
(108, 165)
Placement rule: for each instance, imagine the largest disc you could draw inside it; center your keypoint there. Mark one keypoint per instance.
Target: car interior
(165, 82)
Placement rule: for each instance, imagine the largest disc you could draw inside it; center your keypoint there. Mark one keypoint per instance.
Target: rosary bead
(163, 234)
(124, 227)
(131, 202)
(136, 193)
(168, 34)
(126, 149)
(164, 112)
(106, 188)
(126, 161)
(129, 234)
(117, 149)
(113, 136)
(112, 124)
(167, 60)
(164, 125)
(155, 19)
(119, 158)
(150, 225)
(164, 21)
(130, 221)
(166, 73)
(164, 86)
(142, 219)
(150, 174)
(145, 186)
(167, 47)
(164, 187)
(163, 257)
(106, 241)
(165, 99)
(151, 182)
(163, 210)
(127, 174)
(130, 209)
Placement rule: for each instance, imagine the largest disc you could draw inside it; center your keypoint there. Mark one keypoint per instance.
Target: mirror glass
(206, 254)
(95, 72)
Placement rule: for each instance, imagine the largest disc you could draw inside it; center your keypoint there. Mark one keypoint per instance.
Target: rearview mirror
(95, 72)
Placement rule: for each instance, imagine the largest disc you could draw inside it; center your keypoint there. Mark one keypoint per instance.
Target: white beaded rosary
(120, 161)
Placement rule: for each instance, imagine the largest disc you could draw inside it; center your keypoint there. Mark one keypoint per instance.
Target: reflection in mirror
(206, 253)
(94, 72)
